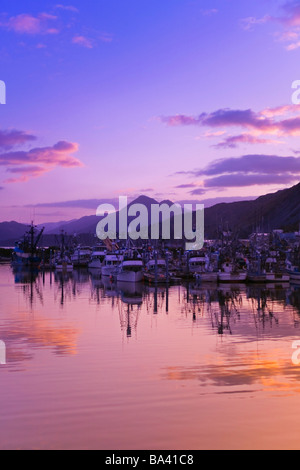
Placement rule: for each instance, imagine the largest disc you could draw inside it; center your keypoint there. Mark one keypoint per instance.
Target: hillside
(273, 211)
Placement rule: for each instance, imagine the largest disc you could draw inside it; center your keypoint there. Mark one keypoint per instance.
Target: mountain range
(280, 210)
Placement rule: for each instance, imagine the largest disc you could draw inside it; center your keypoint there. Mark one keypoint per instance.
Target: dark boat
(25, 253)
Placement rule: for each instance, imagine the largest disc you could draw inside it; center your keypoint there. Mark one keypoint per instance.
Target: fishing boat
(231, 273)
(25, 253)
(130, 270)
(293, 272)
(270, 274)
(64, 264)
(111, 264)
(97, 258)
(278, 277)
(156, 271)
(81, 257)
(202, 270)
(62, 261)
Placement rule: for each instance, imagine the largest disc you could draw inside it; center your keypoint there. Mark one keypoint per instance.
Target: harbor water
(91, 364)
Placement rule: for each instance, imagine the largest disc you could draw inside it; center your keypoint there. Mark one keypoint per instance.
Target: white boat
(278, 277)
(293, 272)
(97, 258)
(150, 274)
(273, 274)
(64, 265)
(111, 264)
(81, 256)
(229, 273)
(202, 270)
(130, 271)
(198, 264)
(269, 277)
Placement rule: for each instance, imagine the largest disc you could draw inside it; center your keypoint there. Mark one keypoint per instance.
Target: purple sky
(188, 100)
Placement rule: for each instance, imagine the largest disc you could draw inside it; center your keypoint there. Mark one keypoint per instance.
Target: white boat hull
(230, 277)
(273, 277)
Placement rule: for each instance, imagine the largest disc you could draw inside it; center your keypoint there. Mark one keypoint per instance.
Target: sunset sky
(188, 100)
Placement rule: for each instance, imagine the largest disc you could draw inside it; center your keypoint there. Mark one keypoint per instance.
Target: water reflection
(234, 310)
(91, 356)
(130, 306)
(221, 303)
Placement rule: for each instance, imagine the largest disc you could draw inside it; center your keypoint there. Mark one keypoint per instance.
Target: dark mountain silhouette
(273, 211)
(280, 210)
(88, 224)
(11, 231)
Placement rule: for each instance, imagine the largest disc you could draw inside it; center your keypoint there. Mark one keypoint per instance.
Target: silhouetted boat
(25, 253)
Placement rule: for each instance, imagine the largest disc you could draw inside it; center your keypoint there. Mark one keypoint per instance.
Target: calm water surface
(99, 366)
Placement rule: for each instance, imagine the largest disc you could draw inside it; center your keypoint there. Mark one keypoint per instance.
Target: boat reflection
(223, 305)
(130, 306)
(28, 280)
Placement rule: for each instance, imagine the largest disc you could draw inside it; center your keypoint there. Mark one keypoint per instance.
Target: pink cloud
(37, 161)
(29, 24)
(180, 120)
(291, 15)
(26, 173)
(280, 110)
(67, 8)
(265, 122)
(82, 41)
(12, 138)
(233, 141)
(289, 19)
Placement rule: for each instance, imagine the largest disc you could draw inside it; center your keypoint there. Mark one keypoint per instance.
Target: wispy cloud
(67, 8)
(40, 160)
(78, 203)
(246, 171)
(25, 173)
(251, 21)
(289, 20)
(283, 121)
(233, 141)
(209, 12)
(241, 180)
(185, 186)
(57, 22)
(256, 164)
(83, 41)
(32, 25)
(12, 138)
(198, 192)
